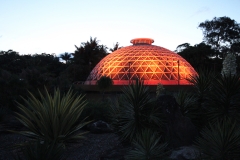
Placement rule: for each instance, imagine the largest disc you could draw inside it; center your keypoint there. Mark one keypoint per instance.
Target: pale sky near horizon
(51, 26)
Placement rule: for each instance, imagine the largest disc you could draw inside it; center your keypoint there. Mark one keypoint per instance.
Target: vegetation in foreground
(213, 107)
(135, 117)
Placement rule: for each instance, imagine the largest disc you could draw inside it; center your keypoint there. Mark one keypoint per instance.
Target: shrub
(52, 118)
(104, 83)
(134, 112)
(220, 141)
(224, 98)
(202, 89)
(147, 145)
(186, 102)
(188, 106)
(98, 110)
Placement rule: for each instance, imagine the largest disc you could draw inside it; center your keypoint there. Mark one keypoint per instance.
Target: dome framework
(150, 63)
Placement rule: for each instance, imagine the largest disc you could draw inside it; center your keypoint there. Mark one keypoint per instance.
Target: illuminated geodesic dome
(150, 63)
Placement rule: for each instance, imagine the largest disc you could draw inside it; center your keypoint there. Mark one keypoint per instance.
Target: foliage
(224, 98)
(182, 47)
(222, 33)
(229, 65)
(115, 47)
(220, 141)
(11, 86)
(19, 73)
(147, 145)
(97, 110)
(10, 61)
(52, 118)
(187, 102)
(202, 85)
(200, 56)
(66, 57)
(88, 55)
(135, 111)
(41, 150)
(160, 89)
(104, 83)
(202, 88)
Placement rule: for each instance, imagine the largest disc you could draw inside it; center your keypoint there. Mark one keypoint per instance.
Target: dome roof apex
(142, 41)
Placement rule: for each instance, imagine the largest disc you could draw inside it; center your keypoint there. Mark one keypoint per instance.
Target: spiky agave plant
(202, 87)
(224, 99)
(186, 102)
(135, 111)
(52, 118)
(147, 145)
(220, 140)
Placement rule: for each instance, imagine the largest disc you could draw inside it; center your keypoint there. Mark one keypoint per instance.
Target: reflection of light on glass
(129, 78)
(147, 62)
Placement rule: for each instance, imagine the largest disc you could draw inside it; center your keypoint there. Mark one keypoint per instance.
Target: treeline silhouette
(22, 73)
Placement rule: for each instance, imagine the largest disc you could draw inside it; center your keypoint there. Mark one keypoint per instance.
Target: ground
(103, 146)
(94, 147)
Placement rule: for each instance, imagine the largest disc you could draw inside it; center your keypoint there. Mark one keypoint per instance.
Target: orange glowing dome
(150, 63)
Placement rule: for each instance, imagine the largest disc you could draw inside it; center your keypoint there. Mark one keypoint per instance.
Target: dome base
(146, 82)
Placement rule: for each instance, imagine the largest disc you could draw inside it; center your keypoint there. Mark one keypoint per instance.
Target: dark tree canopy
(200, 56)
(22, 73)
(87, 57)
(90, 52)
(181, 47)
(66, 57)
(223, 34)
(115, 47)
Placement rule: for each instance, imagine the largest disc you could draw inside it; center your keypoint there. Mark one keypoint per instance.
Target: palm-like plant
(147, 145)
(115, 47)
(186, 103)
(66, 57)
(202, 84)
(52, 118)
(224, 99)
(220, 141)
(202, 87)
(135, 112)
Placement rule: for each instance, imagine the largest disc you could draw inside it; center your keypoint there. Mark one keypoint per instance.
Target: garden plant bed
(94, 147)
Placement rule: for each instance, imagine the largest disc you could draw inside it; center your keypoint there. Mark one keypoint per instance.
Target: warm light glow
(144, 61)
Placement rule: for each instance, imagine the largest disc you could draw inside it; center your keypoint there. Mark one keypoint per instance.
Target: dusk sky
(55, 26)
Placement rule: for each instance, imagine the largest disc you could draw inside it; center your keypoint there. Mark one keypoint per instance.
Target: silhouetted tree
(19, 73)
(200, 56)
(223, 34)
(11, 61)
(89, 52)
(182, 47)
(115, 47)
(87, 56)
(66, 57)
